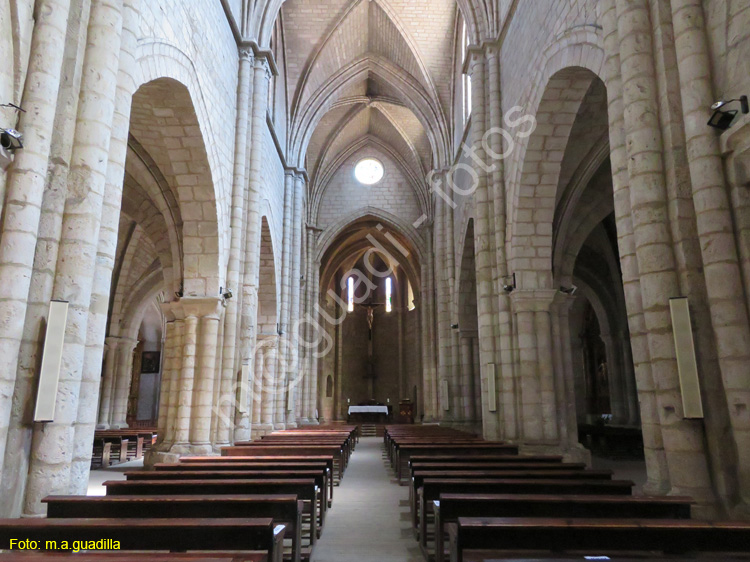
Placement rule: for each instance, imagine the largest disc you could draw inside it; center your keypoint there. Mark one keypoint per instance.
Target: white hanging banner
(49, 376)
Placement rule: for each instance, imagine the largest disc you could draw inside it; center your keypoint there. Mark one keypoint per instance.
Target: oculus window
(369, 171)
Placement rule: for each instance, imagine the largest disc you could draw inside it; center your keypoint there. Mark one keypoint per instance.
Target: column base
(261, 429)
(119, 425)
(309, 422)
(102, 426)
(279, 426)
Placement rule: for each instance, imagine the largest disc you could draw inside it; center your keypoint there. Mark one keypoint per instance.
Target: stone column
(261, 76)
(658, 477)
(683, 439)
(229, 367)
(467, 376)
(209, 312)
(268, 392)
(186, 385)
(107, 248)
(563, 369)
(24, 194)
(77, 255)
(443, 316)
(427, 329)
(167, 372)
(122, 382)
(294, 369)
(483, 242)
(258, 374)
(108, 382)
(726, 296)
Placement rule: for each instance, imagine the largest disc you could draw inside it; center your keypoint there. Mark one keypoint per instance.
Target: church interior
(403, 280)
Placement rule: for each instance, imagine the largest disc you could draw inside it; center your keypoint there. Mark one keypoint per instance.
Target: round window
(369, 171)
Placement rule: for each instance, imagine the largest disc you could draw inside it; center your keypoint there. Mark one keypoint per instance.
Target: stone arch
(165, 123)
(328, 237)
(533, 203)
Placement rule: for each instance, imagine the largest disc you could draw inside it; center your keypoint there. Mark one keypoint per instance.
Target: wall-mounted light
(509, 283)
(226, 293)
(722, 118)
(569, 290)
(10, 139)
(454, 326)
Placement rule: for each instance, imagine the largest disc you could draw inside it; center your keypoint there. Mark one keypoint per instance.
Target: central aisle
(369, 520)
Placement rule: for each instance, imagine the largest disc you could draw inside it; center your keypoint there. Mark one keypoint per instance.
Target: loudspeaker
(244, 389)
(491, 387)
(49, 376)
(445, 395)
(687, 366)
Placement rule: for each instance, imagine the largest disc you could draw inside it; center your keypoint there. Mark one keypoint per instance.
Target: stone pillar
(209, 311)
(261, 76)
(427, 329)
(258, 374)
(78, 248)
(683, 439)
(25, 185)
(107, 248)
(167, 372)
(295, 372)
(228, 388)
(122, 382)
(443, 316)
(268, 392)
(467, 376)
(716, 229)
(108, 382)
(563, 369)
(483, 242)
(186, 385)
(658, 477)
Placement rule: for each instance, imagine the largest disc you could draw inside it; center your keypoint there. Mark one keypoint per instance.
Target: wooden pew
(285, 509)
(433, 487)
(303, 451)
(594, 536)
(419, 476)
(278, 465)
(179, 535)
(474, 449)
(320, 477)
(304, 489)
(452, 506)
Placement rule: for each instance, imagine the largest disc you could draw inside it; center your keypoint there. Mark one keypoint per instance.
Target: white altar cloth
(368, 410)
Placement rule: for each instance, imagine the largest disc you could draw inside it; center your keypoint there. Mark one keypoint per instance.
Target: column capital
(200, 307)
(246, 53)
(534, 300)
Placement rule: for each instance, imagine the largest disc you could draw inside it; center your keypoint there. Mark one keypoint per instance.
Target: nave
(423, 492)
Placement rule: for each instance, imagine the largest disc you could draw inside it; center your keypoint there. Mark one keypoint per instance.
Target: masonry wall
(345, 194)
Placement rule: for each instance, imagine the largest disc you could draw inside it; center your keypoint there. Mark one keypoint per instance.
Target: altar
(369, 414)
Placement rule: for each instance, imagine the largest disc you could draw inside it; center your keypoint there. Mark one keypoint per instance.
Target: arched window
(388, 295)
(410, 297)
(329, 386)
(350, 294)
(466, 77)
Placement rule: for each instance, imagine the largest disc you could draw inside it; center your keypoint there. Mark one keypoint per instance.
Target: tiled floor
(369, 520)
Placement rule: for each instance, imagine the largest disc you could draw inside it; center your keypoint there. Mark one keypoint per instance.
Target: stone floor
(369, 520)
(116, 472)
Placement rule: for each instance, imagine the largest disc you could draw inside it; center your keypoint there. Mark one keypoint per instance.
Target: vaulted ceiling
(369, 71)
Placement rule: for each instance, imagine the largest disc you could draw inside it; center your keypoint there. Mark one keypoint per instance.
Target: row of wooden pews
(474, 500)
(113, 446)
(265, 504)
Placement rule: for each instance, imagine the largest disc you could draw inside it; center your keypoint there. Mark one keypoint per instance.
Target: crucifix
(370, 367)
